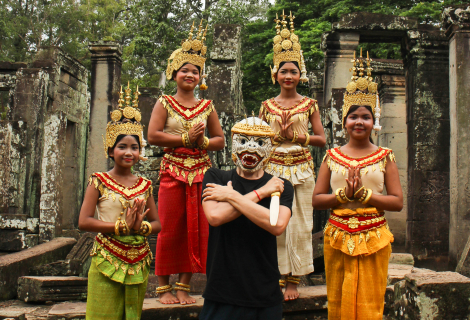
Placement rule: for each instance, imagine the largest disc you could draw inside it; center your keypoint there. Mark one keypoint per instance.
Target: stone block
(42, 289)
(402, 258)
(17, 310)
(438, 295)
(397, 272)
(79, 258)
(15, 265)
(12, 240)
(463, 266)
(317, 244)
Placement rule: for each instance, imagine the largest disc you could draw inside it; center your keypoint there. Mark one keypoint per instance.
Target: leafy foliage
(149, 30)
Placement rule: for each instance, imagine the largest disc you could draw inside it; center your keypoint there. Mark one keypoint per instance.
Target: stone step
(312, 301)
(42, 289)
(15, 265)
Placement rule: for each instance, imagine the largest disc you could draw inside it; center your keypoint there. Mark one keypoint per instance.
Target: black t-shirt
(242, 266)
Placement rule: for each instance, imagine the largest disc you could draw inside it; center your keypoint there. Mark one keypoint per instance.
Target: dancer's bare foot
(168, 298)
(291, 292)
(184, 297)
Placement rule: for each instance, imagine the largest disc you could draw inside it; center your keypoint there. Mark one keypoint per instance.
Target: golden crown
(287, 47)
(362, 90)
(261, 129)
(192, 51)
(125, 119)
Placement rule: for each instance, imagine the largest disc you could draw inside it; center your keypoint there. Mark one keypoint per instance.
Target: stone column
(105, 84)
(456, 21)
(426, 58)
(394, 136)
(225, 85)
(339, 51)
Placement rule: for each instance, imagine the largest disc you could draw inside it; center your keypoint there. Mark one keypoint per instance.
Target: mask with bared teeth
(251, 144)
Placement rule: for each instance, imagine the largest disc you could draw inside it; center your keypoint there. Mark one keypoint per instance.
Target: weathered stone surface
(106, 80)
(15, 265)
(456, 20)
(147, 100)
(37, 289)
(12, 240)
(312, 304)
(463, 267)
(226, 42)
(317, 244)
(436, 295)
(426, 60)
(17, 310)
(79, 258)
(402, 258)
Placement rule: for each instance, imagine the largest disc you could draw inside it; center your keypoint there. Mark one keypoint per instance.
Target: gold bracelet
(355, 194)
(145, 229)
(125, 227)
(116, 227)
(307, 140)
(369, 195)
(296, 135)
(186, 141)
(205, 144)
(339, 197)
(344, 196)
(279, 137)
(364, 195)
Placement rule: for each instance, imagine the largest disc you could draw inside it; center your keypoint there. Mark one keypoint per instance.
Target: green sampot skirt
(115, 293)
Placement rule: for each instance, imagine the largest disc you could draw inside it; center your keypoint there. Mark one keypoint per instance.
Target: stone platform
(312, 304)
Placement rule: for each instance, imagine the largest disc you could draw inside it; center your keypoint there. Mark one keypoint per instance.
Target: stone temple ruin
(51, 141)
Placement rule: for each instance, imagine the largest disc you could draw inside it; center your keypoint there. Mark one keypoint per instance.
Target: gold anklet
(164, 289)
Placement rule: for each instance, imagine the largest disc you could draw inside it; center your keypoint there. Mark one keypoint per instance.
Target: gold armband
(205, 144)
(116, 227)
(296, 135)
(367, 197)
(356, 193)
(307, 140)
(145, 229)
(341, 195)
(186, 141)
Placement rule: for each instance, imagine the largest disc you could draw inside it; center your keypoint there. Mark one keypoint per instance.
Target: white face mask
(250, 153)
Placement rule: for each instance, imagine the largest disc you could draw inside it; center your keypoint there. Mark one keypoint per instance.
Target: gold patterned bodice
(290, 160)
(180, 118)
(115, 198)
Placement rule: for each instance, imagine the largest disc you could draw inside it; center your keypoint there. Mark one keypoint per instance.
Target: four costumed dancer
(222, 219)
(289, 115)
(242, 271)
(357, 237)
(117, 280)
(178, 123)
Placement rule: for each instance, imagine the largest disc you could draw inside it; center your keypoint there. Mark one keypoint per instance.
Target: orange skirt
(355, 284)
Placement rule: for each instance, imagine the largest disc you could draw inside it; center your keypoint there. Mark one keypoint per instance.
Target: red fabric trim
(123, 246)
(112, 184)
(347, 161)
(184, 153)
(179, 108)
(358, 229)
(278, 107)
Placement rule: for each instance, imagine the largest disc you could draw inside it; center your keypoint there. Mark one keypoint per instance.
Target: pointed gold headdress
(287, 47)
(192, 51)
(125, 120)
(362, 91)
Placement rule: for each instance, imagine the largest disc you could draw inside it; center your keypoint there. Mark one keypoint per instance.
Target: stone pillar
(339, 51)
(105, 84)
(456, 21)
(225, 85)
(394, 136)
(426, 58)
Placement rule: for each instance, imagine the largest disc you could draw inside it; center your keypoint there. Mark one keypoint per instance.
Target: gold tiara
(125, 119)
(362, 90)
(192, 51)
(287, 47)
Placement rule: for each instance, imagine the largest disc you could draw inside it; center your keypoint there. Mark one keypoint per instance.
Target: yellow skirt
(355, 284)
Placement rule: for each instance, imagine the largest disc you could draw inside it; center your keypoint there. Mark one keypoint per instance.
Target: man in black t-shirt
(242, 271)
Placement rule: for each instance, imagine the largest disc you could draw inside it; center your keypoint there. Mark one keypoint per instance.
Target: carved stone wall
(44, 137)
(456, 22)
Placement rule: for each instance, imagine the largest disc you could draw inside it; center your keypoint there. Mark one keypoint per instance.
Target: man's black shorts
(220, 311)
